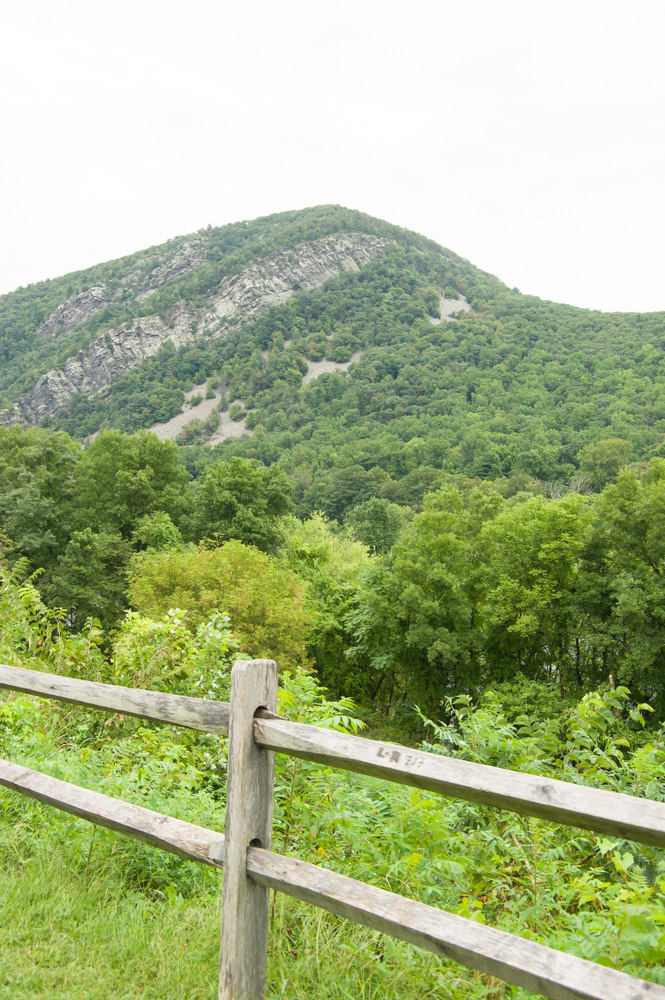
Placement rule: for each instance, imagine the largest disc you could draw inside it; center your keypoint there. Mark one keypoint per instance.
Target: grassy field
(71, 930)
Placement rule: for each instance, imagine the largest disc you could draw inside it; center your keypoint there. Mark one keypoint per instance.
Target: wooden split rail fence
(251, 869)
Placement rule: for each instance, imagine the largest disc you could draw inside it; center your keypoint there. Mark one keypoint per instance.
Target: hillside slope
(422, 359)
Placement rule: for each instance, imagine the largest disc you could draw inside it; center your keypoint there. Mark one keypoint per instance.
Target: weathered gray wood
(192, 713)
(559, 801)
(536, 967)
(527, 964)
(174, 835)
(249, 805)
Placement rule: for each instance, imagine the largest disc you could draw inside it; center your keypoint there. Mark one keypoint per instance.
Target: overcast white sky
(527, 136)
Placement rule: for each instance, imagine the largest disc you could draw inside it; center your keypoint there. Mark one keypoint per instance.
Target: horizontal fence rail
(174, 835)
(176, 709)
(532, 966)
(608, 812)
(612, 813)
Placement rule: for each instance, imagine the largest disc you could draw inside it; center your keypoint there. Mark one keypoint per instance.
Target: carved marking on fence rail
(396, 756)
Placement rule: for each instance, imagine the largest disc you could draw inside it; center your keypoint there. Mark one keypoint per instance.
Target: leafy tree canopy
(378, 523)
(265, 600)
(121, 479)
(242, 499)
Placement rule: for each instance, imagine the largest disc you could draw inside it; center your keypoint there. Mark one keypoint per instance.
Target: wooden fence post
(249, 808)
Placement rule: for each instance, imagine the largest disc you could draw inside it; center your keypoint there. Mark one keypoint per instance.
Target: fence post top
(248, 666)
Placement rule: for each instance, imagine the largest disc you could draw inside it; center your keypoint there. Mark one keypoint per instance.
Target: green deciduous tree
(602, 460)
(377, 523)
(120, 479)
(416, 618)
(36, 491)
(91, 577)
(332, 563)
(623, 594)
(157, 531)
(345, 488)
(244, 500)
(534, 550)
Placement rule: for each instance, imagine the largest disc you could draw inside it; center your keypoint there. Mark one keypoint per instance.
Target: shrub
(265, 601)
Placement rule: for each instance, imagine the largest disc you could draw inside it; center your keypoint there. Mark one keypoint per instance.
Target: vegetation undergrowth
(86, 912)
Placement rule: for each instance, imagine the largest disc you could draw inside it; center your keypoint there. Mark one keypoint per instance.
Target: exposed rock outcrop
(76, 310)
(226, 428)
(269, 281)
(449, 308)
(80, 306)
(187, 257)
(108, 358)
(274, 279)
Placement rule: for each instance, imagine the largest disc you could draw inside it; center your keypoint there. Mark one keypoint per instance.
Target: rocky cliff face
(76, 310)
(276, 278)
(187, 257)
(108, 358)
(269, 281)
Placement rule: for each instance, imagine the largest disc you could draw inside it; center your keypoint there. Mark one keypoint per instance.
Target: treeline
(409, 592)
(76, 517)
(480, 590)
(516, 387)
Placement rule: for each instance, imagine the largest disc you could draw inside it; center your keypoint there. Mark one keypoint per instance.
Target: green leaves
(165, 655)
(90, 579)
(264, 600)
(121, 479)
(377, 523)
(243, 500)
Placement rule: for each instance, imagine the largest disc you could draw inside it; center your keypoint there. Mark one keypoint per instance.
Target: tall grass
(87, 913)
(71, 930)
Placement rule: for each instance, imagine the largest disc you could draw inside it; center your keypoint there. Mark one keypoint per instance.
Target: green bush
(264, 600)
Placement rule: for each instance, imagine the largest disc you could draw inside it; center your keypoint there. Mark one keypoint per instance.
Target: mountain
(325, 339)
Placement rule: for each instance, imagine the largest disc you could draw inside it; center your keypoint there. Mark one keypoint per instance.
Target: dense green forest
(410, 589)
(458, 543)
(516, 385)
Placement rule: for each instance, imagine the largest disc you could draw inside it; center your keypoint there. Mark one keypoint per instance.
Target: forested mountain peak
(79, 334)
(324, 339)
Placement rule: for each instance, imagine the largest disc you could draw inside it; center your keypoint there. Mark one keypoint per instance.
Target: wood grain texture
(174, 835)
(559, 801)
(192, 713)
(545, 971)
(524, 963)
(249, 807)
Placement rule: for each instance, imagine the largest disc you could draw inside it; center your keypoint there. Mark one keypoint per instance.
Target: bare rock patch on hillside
(449, 307)
(316, 368)
(227, 428)
(267, 282)
(274, 279)
(169, 429)
(75, 310)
